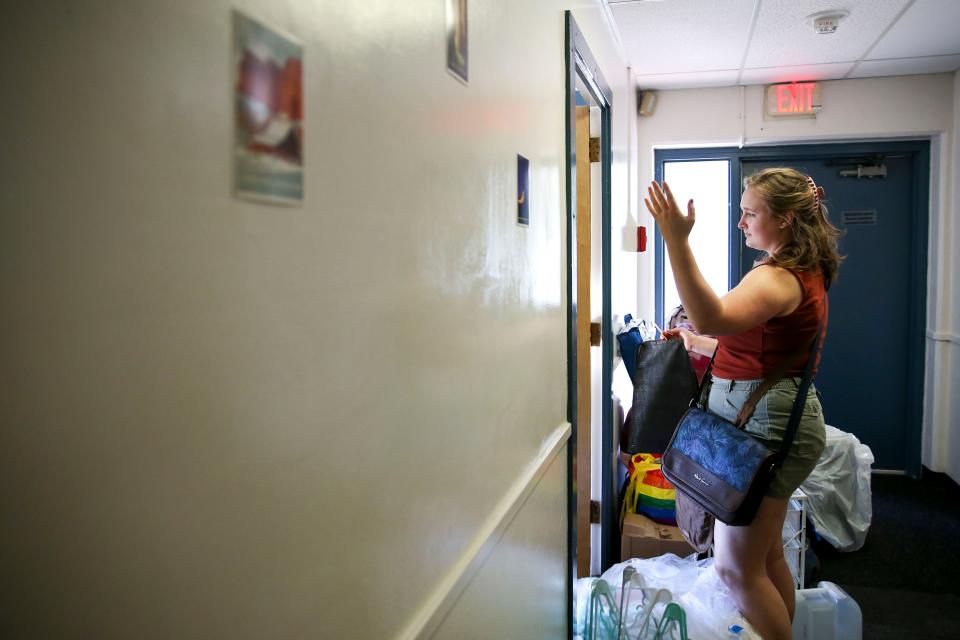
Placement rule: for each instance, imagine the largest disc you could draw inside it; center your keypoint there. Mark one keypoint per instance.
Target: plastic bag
(581, 604)
(668, 571)
(838, 491)
(711, 611)
(694, 585)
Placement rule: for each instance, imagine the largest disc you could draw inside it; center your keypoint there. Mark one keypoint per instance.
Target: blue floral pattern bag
(720, 466)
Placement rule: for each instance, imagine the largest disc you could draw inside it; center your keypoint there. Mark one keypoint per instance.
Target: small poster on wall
(457, 38)
(268, 109)
(523, 191)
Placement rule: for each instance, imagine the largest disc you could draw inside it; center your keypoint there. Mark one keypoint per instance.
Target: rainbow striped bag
(648, 492)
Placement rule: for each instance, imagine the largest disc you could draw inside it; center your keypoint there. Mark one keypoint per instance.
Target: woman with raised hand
(777, 307)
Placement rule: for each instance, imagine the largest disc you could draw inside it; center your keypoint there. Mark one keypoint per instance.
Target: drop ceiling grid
(928, 28)
(907, 66)
(798, 73)
(782, 33)
(666, 37)
(699, 79)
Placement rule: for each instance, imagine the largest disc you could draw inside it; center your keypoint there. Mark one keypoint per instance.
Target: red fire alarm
(641, 239)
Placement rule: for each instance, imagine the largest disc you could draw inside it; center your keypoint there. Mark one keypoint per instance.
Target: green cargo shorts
(769, 423)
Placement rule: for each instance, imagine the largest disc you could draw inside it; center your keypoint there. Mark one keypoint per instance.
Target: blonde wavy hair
(813, 241)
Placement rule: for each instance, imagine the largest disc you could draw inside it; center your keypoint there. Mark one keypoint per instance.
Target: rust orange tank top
(754, 353)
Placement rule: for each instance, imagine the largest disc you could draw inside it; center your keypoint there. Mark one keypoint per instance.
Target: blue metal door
(868, 372)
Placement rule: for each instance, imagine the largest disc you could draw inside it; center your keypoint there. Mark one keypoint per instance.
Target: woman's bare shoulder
(782, 283)
(768, 272)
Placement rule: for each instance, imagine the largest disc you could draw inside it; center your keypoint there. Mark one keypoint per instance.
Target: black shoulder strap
(801, 400)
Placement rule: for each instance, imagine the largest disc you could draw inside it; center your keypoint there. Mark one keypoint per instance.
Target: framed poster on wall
(523, 191)
(268, 113)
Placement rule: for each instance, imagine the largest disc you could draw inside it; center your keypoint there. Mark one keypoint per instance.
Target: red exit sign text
(793, 99)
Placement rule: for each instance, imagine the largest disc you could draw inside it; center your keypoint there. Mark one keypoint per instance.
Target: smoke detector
(824, 22)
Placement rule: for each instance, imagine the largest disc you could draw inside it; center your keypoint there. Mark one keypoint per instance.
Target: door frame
(580, 61)
(919, 152)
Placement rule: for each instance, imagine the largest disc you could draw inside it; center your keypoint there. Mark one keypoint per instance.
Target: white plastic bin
(795, 536)
(827, 613)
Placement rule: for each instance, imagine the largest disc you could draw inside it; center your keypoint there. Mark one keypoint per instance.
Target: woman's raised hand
(673, 224)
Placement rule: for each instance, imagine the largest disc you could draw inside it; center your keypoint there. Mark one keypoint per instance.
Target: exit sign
(793, 99)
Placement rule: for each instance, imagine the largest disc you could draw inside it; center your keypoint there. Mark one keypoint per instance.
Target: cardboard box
(644, 538)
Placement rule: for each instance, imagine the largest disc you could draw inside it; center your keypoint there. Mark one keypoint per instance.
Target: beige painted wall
(945, 448)
(516, 592)
(874, 108)
(225, 419)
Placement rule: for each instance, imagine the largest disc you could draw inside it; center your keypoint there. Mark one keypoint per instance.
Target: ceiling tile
(798, 73)
(928, 28)
(688, 35)
(696, 79)
(701, 43)
(906, 66)
(783, 36)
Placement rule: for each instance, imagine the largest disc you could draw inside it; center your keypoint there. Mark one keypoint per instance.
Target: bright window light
(708, 183)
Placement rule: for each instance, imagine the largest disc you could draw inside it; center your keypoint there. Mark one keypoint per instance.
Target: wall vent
(851, 218)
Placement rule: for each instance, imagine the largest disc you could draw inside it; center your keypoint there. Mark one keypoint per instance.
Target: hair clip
(817, 191)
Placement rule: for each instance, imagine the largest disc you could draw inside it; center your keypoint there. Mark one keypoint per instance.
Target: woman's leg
(741, 562)
(782, 579)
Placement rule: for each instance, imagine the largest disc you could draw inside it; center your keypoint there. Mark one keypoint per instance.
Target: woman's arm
(765, 292)
(704, 345)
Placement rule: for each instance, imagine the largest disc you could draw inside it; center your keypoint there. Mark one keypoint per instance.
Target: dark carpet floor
(906, 578)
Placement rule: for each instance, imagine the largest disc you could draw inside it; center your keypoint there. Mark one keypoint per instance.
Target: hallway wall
(224, 419)
(946, 448)
(921, 106)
